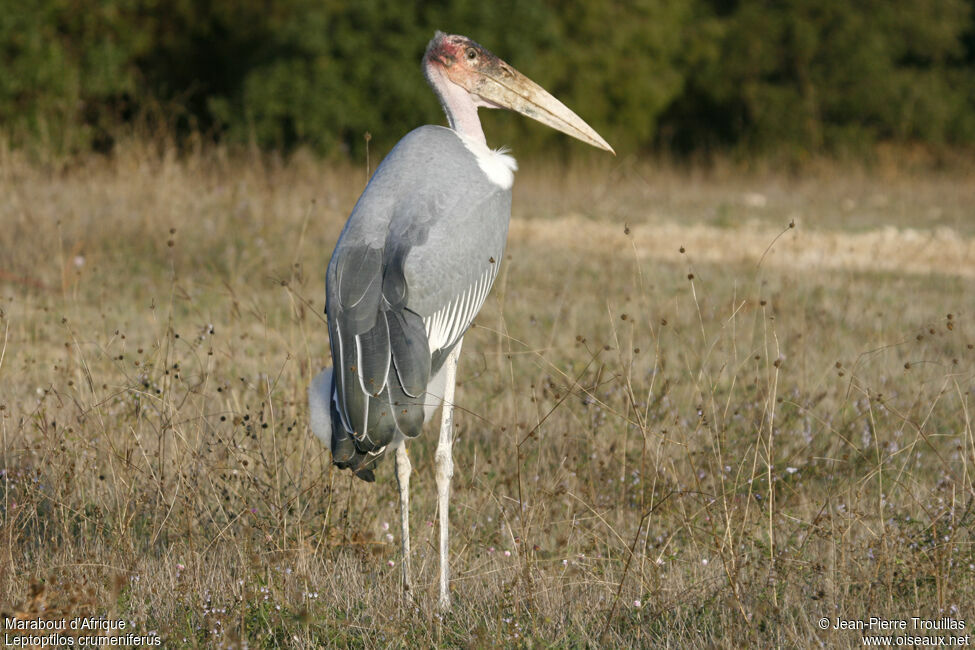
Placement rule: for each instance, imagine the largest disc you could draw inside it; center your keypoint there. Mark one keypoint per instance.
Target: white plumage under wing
(319, 403)
(449, 323)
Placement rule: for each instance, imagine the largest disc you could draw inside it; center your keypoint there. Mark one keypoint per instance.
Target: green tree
(831, 74)
(68, 69)
(686, 75)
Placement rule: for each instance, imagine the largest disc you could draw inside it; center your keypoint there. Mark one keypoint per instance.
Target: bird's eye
(471, 54)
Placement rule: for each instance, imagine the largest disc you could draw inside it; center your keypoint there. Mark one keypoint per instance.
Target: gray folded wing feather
(411, 270)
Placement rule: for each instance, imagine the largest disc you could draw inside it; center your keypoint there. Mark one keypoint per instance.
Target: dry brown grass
(647, 416)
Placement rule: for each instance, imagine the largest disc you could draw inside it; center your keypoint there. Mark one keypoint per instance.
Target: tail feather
(327, 426)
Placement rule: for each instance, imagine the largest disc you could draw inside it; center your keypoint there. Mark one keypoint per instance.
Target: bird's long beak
(493, 83)
(503, 86)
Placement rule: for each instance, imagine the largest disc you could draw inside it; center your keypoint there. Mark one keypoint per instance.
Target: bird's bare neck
(457, 103)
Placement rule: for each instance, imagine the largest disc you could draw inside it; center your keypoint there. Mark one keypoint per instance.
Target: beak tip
(602, 144)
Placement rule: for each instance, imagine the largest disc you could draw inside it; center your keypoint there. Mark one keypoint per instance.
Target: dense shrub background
(673, 75)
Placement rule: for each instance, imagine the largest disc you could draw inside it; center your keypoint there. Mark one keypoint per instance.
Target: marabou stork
(412, 268)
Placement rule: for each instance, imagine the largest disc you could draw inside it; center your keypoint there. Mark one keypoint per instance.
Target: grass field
(700, 408)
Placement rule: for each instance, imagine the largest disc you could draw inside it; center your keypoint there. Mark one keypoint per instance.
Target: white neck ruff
(496, 164)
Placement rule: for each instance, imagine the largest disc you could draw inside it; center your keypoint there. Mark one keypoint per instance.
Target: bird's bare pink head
(492, 83)
(463, 61)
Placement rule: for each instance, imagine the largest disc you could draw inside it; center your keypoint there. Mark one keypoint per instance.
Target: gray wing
(409, 274)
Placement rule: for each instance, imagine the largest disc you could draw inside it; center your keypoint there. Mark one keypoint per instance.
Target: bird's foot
(408, 597)
(443, 603)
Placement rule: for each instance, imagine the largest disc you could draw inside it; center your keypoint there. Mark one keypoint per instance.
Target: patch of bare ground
(887, 249)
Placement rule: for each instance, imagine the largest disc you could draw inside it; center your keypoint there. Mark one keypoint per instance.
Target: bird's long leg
(403, 468)
(445, 469)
